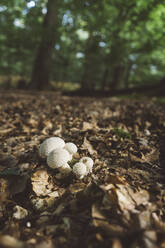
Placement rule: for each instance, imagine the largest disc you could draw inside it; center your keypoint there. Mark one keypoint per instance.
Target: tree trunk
(127, 75)
(117, 77)
(104, 80)
(40, 79)
(88, 81)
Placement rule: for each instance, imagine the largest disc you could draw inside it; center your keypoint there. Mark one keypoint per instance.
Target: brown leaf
(149, 158)
(7, 241)
(47, 126)
(116, 243)
(3, 190)
(40, 183)
(74, 188)
(45, 244)
(136, 159)
(89, 126)
(121, 197)
(144, 220)
(115, 179)
(100, 221)
(87, 145)
(150, 238)
(141, 196)
(152, 156)
(158, 222)
(124, 197)
(40, 176)
(18, 184)
(5, 131)
(7, 160)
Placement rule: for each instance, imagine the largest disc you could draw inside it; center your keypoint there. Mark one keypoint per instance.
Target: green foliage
(121, 133)
(72, 162)
(108, 43)
(160, 99)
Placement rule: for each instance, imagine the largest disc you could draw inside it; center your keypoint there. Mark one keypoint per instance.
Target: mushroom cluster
(59, 156)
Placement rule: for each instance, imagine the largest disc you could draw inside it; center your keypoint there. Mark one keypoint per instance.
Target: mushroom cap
(58, 158)
(49, 145)
(65, 169)
(71, 147)
(80, 170)
(88, 162)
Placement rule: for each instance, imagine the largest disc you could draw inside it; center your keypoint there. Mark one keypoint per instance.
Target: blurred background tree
(87, 44)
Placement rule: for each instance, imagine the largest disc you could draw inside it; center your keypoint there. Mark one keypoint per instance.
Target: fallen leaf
(89, 126)
(149, 158)
(7, 160)
(40, 183)
(45, 244)
(115, 179)
(150, 238)
(100, 221)
(18, 184)
(87, 146)
(116, 243)
(7, 241)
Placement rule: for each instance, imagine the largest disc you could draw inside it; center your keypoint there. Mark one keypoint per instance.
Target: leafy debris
(121, 204)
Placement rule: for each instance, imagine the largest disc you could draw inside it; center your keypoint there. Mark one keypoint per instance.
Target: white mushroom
(79, 169)
(71, 148)
(88, 162)
(49, 145)
(58, 158)
(65, 169)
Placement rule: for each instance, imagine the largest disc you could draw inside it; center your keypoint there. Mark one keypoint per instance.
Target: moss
(121, 133)
(72, 162)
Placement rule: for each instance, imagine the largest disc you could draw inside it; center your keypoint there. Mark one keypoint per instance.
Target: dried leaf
(100, 221)
(116, 243)
(150, 238)
(45, 244)
(87, 145)
(20, 186)
(7, 241)
(89, 126)
(152, 156)
(40, 183)
(7, 160)
(125, 197)
(115, 179)
(74, 188)
(149, 158)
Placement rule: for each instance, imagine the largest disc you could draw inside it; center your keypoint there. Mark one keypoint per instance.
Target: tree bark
(104, 80)
(117, 77)
(88, 81)
(40, 79)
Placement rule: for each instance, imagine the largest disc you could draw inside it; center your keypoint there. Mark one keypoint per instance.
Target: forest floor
(121, 204)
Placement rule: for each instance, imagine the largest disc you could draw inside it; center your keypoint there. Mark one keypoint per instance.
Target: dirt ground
(120, 204)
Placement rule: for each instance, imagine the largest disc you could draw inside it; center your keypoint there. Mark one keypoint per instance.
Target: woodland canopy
(87, 45)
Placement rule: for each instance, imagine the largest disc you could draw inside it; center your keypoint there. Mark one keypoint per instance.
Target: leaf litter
(121, 204)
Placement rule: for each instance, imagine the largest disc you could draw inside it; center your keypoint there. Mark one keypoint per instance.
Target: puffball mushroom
(49, 145)
(71, 148)
(58, 158)
(65, 169)
(80, 170)
(88, 162)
